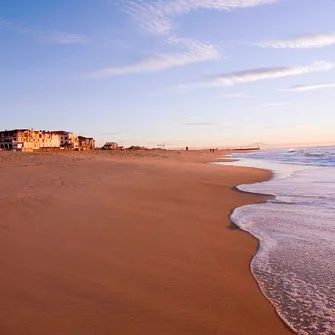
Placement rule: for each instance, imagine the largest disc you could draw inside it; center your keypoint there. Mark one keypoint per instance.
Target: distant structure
(110, 146)
(136, 147)
(86, 143)
(68, 140)
(29, 140)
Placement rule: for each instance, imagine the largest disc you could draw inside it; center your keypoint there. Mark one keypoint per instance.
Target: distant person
(186, 148)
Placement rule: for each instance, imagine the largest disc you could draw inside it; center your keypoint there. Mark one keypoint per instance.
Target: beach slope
(127, 244)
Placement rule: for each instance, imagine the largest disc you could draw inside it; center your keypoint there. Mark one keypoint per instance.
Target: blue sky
(199, 73)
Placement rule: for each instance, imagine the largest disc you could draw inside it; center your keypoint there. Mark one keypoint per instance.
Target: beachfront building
(15, 139)
(69, 140)
(110, 146)
(86, 143)
(7, 139)
(29, 139)
(47, 139)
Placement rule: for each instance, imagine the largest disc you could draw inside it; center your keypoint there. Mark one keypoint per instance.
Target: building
(86, 143)
(47, 139)
(19, 139)
(15, 139)
(68, 140)
(110, 146)
(29, 139)
(8, 138)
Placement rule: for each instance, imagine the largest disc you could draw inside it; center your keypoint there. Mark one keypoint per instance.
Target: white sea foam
(295, 264)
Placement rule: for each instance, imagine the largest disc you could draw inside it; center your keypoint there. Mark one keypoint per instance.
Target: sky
(201, 73)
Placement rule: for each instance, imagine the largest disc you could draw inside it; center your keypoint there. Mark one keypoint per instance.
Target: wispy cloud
(195, 52)
(64, 38)
(301, 42)
(52, 36)
(156, 16)
(247, 76)
(274, 104)
(303, 88)
(204, 124)
(10, 25)
(234, 96)
(303, 126)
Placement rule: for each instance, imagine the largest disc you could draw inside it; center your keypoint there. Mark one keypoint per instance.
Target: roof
(11, 130)
(85, 138)
(60, 132)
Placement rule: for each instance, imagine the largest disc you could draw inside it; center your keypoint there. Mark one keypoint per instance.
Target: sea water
(295, 263)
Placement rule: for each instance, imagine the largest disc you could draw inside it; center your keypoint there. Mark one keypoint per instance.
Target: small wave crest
(321, 156)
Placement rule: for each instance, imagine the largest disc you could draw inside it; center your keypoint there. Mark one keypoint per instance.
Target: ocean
(295, 263)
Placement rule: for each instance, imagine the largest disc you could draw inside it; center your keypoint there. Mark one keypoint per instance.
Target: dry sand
(104, 243)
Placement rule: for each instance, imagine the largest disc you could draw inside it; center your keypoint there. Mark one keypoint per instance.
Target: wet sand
(127, 243)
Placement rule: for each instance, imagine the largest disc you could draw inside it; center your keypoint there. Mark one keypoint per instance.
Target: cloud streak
(51, 36)
(157, 17)
(253, 75)
(195, 52)
(275, 104)
(303, 126)
(202, 124)
(234, 96)
(304, 88)
(301, 42)
(64, 38)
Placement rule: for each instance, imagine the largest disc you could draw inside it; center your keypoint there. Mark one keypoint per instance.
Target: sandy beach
(127, 243)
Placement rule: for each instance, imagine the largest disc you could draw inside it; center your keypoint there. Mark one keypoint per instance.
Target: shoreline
(275, 264)
(160, 252)
(237, 227)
